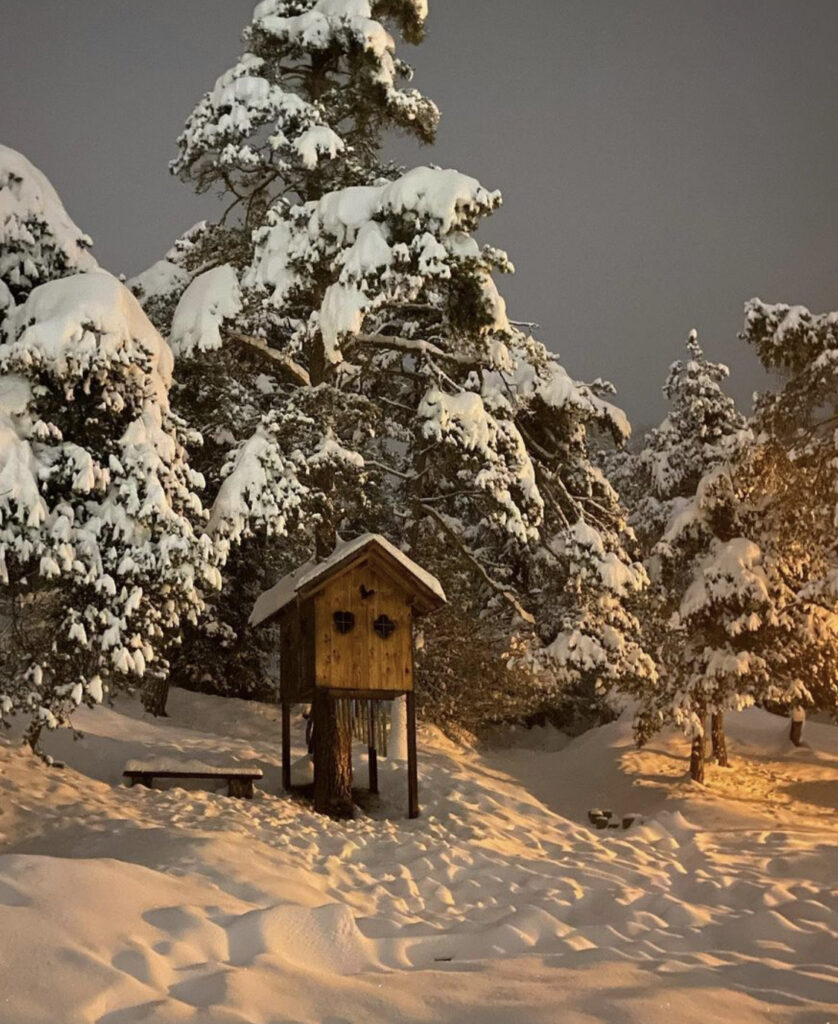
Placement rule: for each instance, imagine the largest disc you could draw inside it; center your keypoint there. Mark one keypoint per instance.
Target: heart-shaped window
(344, 622)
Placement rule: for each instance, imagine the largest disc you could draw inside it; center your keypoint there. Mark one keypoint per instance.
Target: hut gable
(364, 617)
(425, 590)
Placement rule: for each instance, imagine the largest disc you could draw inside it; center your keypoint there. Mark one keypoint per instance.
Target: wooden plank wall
(361, 659)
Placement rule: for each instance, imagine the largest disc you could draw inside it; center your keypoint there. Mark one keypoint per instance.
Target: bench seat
(239, 779)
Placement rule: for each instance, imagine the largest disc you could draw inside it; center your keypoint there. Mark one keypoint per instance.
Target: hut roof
(310, 575)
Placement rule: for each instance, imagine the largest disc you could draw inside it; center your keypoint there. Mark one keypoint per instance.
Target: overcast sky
(661, 160)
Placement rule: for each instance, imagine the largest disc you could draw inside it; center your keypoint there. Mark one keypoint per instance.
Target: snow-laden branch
(499, 588)
(293, 368)
(410, 346)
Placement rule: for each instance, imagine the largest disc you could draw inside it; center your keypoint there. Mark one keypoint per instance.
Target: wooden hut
(346, 634)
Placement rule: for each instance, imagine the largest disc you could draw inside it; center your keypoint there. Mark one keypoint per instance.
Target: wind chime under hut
(346, 635)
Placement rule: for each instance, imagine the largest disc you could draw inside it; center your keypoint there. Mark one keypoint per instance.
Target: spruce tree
(701, 432)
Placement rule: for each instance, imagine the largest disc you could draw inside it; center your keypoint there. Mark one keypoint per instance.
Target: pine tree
(401, 398)
(481, 439)
(794, 479)
(102, 551)
(303, 110)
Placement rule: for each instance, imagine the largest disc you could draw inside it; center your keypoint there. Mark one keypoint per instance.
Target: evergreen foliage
(102, 550)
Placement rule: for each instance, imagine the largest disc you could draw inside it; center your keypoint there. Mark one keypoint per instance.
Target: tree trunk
(798, 717)
(717, 733)
(698, 750)
(332, 760)
(155, 694)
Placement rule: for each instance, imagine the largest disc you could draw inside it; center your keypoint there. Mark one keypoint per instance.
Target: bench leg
(143, 780)
(240, 788)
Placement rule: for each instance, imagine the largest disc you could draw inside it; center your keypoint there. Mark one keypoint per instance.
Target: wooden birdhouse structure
(346, 634)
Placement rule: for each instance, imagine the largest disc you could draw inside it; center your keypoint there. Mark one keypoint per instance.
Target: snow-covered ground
(500, 904)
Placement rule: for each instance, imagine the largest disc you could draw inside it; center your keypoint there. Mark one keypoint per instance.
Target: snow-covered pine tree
(102, 549)
(718, 615)
(302, 111)
(402, 398)
(38, 240)
(795, 479)
(701, 432)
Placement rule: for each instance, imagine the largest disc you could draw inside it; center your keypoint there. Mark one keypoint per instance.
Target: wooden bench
(239, 780)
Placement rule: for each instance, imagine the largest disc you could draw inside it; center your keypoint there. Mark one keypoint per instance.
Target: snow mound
(322, 939)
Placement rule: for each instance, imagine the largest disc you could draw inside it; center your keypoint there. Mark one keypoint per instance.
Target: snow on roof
(275, 599)
(281, 594)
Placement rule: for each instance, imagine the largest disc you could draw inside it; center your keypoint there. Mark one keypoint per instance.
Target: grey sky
(661, 160)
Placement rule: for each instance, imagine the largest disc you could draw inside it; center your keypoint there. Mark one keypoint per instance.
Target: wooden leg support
(412, 771)
(371, 751)
(286, 746)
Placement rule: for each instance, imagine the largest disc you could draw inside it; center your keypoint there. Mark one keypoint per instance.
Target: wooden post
(286, 746)
(412, 776)
(371, 751)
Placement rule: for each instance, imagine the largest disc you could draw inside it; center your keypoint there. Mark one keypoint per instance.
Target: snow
(273, 600)
(731, 569)
(358, 221)
(160, 280)
(282, 593)
(210, 299)
(260, 488)
(37, 236)
(499, 903)
(71, 325)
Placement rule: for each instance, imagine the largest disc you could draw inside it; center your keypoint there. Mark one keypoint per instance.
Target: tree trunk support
(717, 733)
(412, 773)
(332, 760)
(371, 751)
(286, 746)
